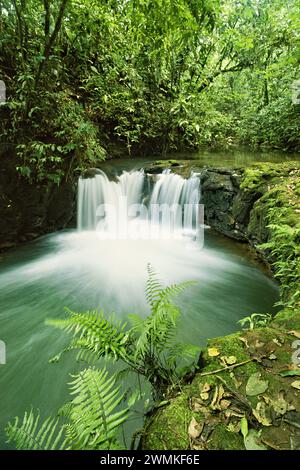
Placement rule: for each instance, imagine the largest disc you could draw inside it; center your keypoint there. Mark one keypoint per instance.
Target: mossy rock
(219, 421)
(271, 220)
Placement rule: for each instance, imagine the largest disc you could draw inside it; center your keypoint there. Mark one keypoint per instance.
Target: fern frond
(153, 286)
(94, 334)
(31, 434)
(136, 321)
(172, 291)
(94, 416)
(159, 328)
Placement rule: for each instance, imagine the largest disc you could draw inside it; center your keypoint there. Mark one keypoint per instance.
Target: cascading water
(98, 190)
(174, 191)
(173, 200)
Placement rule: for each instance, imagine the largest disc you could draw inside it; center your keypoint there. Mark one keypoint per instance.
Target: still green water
(236, 157)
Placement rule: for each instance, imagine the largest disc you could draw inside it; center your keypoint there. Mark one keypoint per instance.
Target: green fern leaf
(94, 416)
(30, 434)
(93, 333)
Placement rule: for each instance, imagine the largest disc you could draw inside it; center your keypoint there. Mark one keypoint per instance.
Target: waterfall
(92, 192)
(182, 195)
(108, 206)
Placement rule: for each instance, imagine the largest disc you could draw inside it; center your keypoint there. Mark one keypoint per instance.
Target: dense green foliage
(147, 348)
(278, 211)
(89, 78)
(90, 421)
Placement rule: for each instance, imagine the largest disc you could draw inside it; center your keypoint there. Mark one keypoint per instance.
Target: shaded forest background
(92, 79)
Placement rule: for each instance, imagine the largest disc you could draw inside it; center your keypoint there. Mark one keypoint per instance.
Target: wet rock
(159, 166)
(220, 191)
(91, 172)
(230, 209)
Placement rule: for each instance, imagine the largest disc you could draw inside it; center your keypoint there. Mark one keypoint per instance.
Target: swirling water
(80, 270)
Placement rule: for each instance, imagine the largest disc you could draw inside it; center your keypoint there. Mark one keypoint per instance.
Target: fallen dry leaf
(196, 404)
(230, 360)
(295, 333)
(204, 395)
(223, 362)
(224, 404)
(205, 387)
(194, 429)
(244, 340)
(266, 398)
(296, 384)
(272, 357)
(280, 405)
(213, 352)
(218, 395)
(234, 427)
(260, 414)
(276, 341)
(237, 383)
(198, 446)
(237, 414)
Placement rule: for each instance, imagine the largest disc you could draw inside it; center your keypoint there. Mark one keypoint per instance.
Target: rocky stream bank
(246, 394)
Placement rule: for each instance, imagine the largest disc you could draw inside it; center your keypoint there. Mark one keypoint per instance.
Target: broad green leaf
(252, 441)
(289, 373)
(256, 386)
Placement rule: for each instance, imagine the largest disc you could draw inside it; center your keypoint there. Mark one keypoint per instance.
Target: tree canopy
(88, 78)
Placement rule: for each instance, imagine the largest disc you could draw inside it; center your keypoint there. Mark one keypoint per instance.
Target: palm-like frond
(153, 286)
(157, 293)
(146, 348)
(32, 434)
(91, 419)
(160, 326)
(93, 335)
(94, 416)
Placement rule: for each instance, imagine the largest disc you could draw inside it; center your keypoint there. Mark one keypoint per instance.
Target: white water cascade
(171, 204)
(92, 192)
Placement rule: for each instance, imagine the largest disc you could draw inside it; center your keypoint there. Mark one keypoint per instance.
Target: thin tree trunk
(47, 19)
(19, 26)
(266, 93)
(50, 40)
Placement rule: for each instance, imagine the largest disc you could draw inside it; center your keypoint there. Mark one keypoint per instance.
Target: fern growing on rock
(146, 346)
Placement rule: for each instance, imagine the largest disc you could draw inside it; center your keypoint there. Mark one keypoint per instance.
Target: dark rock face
(219, 193)
(227, 207)
(29, 210)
